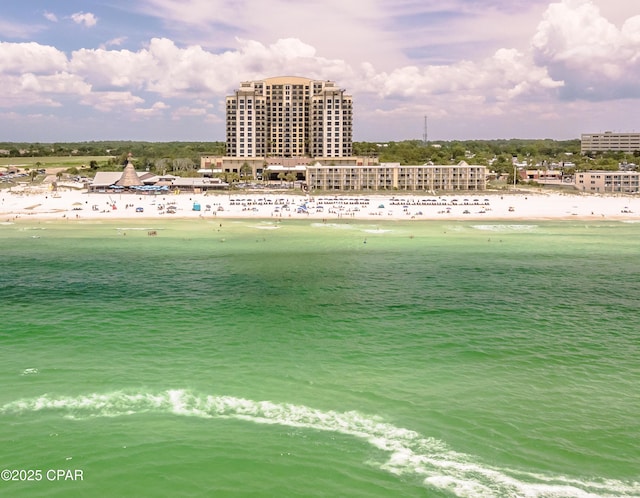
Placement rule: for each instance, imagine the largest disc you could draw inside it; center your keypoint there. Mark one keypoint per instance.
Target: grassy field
(51, 162)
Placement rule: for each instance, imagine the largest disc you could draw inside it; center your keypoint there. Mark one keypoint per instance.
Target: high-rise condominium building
(289, 116)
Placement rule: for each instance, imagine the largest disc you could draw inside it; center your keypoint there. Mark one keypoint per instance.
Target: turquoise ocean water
(305, 359)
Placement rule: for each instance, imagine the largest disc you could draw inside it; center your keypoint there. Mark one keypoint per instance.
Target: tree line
(499, 155)
(184, 157)
(112, 148)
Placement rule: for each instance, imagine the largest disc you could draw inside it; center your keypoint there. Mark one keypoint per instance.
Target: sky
(159, 70)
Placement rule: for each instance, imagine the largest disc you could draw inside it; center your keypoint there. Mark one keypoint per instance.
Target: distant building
(393, 176)
(289, 116)
(608, 181)
(610, 142)
(540, 175)
(265, 167)
(129, 177)
(302, 128)
(131, 180)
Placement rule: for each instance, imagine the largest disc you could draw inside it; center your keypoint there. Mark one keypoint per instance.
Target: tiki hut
(129, 177)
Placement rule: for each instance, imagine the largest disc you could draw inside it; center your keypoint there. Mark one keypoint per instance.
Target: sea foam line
(409, 452)
(505, 228)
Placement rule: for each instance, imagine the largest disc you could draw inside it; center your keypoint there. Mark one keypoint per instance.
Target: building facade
(393, 176)
(609, 141)
(608, 181)
(302, 127)
(289, 116)
(257, 166)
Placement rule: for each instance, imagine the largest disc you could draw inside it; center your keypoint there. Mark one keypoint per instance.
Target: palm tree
(245, 171)
(291, 177)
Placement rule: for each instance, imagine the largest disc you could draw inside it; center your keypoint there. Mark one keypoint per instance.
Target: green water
(306, 359)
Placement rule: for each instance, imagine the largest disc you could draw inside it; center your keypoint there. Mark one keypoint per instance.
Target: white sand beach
(36, 204)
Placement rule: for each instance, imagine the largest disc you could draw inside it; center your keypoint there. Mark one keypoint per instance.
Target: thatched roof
(129, 177)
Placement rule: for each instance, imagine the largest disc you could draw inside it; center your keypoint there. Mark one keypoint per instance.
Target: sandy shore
(33, 204)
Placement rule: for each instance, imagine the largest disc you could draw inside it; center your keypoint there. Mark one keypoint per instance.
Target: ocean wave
(409, 452)
(349, 226)
(339, 226)
(266, 227)
(505, 228)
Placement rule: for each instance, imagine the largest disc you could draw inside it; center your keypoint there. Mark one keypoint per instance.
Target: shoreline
(75, 205)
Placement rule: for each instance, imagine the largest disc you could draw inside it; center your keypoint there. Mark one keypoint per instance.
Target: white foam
(350, 226)
(505, 228)
(467, 489)
(266, 227)
(30, 371)
(410, 454)
(338, 226)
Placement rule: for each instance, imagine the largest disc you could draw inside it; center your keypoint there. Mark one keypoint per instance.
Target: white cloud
(11, 29)
(114, 42)
(30, 89)
(171, 71)
(574, 52)
(15, 93)
(508, 74)
(18, 58)
(349, 30)
(183, 112)
(595, 59)
(21, 117)
(155, 110)
(88, 19)
(112, 101)
(50, 16)
(112, 68)
(58, 83)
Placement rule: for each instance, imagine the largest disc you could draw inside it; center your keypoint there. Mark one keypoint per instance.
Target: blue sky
(159, 70)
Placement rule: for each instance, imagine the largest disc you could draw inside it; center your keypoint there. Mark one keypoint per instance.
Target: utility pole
(424, 135)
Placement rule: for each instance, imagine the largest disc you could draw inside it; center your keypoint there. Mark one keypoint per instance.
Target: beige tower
(289, 116)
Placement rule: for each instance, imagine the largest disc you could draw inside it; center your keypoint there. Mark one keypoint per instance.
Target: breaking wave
(410, 454)
(505, 228)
